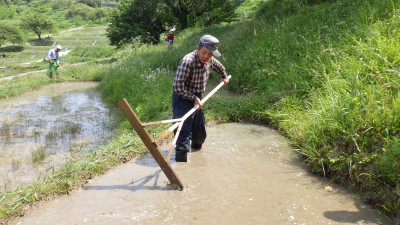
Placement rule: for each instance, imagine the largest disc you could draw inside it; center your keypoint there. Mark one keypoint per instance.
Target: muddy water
(51, 122)
(245, 174)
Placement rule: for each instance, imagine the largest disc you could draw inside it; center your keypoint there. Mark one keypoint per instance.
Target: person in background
(54, 62)
(189, 84)
(170, 39)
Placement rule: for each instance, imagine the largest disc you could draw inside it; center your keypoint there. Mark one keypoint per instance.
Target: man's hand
(226, 80)
(197, 101)
(50, 61)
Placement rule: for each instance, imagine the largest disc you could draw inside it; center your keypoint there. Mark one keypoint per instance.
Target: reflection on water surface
(39, 129)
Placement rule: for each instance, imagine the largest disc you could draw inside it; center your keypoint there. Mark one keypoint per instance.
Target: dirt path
(245, 174)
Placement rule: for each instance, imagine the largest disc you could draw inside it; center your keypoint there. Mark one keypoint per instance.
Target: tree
(141, 19)
(61, 4)
(37, 23)
(91, 3)
(190, 13)
(148, 19)
(9, 33)
(213, 12)
(7, 12)
(80, 9)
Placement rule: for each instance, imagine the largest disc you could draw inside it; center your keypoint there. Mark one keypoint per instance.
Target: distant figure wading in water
(54, 62)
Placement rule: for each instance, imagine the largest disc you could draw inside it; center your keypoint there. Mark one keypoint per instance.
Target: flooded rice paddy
(40, 129)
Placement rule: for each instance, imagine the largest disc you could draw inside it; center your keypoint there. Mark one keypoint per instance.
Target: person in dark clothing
(189, 84)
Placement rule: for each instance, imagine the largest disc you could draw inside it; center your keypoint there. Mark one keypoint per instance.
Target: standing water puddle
(40, 128)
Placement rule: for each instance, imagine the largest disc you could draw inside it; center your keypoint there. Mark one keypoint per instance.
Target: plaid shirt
(192, 75)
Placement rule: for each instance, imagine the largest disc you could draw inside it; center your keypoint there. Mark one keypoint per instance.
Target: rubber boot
(181, 154)
(196, 146)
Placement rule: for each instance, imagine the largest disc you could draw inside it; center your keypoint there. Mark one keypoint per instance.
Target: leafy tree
(212, 12)
(7, 12)
(138, 19)
(15, 35)
(37, 23)
(10, 33)
(3, 35)
(99, 14)
(149, 19)
(91, 3)
(80, 9)
(61, 4)
(191, 13)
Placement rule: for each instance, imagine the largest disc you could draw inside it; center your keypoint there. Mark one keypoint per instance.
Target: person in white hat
(189, 83)
(54, 62)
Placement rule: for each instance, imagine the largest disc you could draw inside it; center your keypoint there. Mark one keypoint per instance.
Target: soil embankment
(245, 174)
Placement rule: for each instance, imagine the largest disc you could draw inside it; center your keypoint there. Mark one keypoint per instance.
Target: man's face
(205, 54)
(57, 50)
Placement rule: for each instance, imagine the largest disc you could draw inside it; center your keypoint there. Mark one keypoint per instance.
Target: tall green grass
(326, 75)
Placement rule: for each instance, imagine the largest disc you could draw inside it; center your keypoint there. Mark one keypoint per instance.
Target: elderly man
(189, 83)
(54, 61)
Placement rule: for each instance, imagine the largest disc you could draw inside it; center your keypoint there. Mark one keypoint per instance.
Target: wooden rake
(152, 145)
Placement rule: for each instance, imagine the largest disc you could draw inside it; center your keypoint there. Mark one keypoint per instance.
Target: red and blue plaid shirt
(192, 75)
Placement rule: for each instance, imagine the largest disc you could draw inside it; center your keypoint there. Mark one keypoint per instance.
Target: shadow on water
(147, 182)
(38, 131)
(345, 216)
(150, 182)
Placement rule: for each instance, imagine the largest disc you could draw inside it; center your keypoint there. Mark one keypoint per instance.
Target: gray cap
(211, 43)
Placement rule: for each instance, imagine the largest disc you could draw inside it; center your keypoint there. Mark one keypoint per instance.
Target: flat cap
(211, 43)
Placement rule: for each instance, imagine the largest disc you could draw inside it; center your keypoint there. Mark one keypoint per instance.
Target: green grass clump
(39, 155)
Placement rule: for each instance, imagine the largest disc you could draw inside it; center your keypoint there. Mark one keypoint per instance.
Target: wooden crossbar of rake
(152, 145)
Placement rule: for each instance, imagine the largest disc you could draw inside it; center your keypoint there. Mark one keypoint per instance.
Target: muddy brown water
(51, 122)
(245, 174)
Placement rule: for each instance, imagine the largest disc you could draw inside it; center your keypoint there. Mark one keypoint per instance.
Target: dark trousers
(194, 127)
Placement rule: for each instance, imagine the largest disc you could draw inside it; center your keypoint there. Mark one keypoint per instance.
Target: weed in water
(51, 137)
(15, 164)
(72, 128)
(39, 155)
(7, 183)
(5, 130)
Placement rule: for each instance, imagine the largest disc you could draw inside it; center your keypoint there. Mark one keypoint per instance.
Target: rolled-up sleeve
(219, 68)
